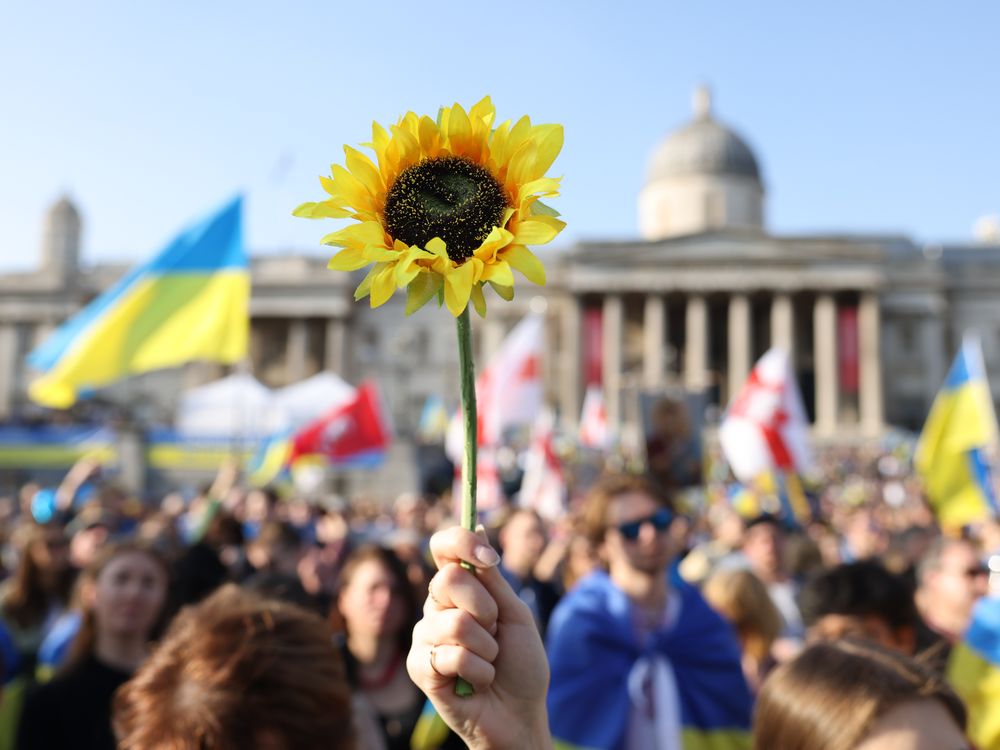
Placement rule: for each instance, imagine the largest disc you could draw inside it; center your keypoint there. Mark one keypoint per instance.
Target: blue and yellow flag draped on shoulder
(952, 453)
(593, 648)
(189, 303)
(974, 672)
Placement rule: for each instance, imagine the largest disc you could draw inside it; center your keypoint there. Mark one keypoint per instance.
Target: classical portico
(696, 312)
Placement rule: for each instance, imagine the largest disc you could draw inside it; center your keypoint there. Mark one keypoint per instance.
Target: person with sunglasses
(950, 580)
(637, 658)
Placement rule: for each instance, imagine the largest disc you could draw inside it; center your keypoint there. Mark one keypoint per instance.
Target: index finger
(457, 545)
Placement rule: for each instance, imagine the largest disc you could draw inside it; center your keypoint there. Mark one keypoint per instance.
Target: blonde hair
(740, 597)
(829, 696)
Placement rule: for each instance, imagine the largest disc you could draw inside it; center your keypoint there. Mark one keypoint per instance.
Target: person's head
(123, 594)
(740, 597)
(628, 520)
(375, 598)
(854, 696)
(764, 548)
(89, 532)
(865, 536)
(43, 575)
(239, 672)
(860, 600)
(951, 578)
(522, 540)
(261, 504)
(277, 549)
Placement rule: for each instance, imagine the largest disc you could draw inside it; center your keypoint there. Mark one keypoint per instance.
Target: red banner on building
(593, 341)
(847, 348)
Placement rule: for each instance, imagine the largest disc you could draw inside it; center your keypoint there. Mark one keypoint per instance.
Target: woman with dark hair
(123, 593)
(848, 695)
(378, 609)
(34, 598)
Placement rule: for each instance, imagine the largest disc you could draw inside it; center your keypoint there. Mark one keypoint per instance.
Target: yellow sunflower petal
(499, 273)
(349, 259)
(365, 287)
(363, 233)
(459, 132)
(363, 169)
(381, 254)
(430, 137)
(498, 238)
(383, 285)
(538, 230)
(408, 266)
(321, 210)
(409, 147)
(504, 292)
(421, 290)
(478, 300)
(482, 114)
(550, 142)
(458, 286)
(523, 260)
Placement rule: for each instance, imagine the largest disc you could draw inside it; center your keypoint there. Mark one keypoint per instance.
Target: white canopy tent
(240, 406)
(236, 406)
(310, 398)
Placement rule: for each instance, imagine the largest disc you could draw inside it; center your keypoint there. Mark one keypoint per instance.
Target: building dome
(703, 147)
(701, 178)
(61, 242)
(64, 210)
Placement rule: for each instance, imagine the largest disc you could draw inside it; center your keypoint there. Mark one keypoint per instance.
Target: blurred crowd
(92, 579)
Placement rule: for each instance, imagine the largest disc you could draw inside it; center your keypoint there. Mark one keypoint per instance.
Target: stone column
(9, 362)
(739, 344)
(570, 361)
(825, 358)
(611, 342)
(783, 324)
(696, 343)
(869, 349)
(335, 346)
(654, 330)
(295, 354)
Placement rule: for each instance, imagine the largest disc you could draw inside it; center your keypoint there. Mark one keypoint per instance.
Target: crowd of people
(641, 618)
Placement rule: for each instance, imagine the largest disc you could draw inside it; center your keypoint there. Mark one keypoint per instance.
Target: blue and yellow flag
(189, 303)
(974, 672)
(951, 454)
(271, 460)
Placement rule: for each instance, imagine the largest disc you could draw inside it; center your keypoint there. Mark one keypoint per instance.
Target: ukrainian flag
(974, 672)
(951, 454)
(189, 303)
(271, 460)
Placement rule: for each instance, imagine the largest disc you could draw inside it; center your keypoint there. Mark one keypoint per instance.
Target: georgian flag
(508, 390)
(544, 485)
(765, 427)
(594, 432)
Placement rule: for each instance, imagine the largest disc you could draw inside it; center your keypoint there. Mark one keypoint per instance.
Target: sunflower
(446, 207)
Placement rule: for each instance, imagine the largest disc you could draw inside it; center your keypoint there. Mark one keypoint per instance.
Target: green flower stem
(467, 374)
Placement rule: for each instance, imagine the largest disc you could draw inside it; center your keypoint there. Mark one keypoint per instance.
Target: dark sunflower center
(450, 198)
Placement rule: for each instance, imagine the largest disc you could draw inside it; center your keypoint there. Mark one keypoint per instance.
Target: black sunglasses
(660, 520)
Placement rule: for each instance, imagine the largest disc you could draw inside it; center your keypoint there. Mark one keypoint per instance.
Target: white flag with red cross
(543, 487)
(508, 390)
(594, 431)
(765, 427)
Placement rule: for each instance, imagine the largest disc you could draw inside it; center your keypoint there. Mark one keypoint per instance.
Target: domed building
(870, 321)
(689, 307)
(702, 177)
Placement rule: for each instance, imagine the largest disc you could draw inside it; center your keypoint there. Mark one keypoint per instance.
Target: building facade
(871, 322)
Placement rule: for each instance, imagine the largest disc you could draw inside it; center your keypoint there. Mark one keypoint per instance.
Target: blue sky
(151, 113)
